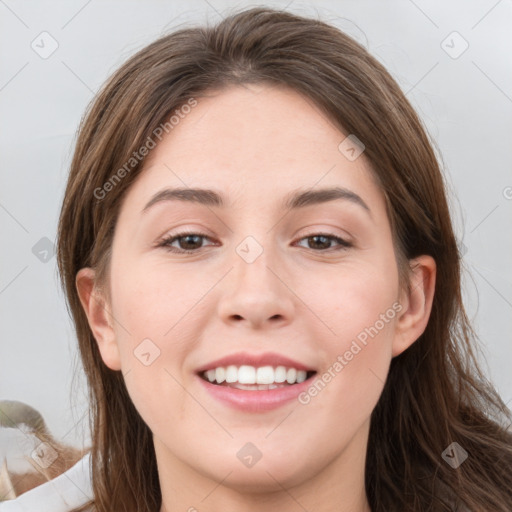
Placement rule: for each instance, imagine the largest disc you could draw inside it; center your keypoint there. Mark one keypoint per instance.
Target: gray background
(465, 101)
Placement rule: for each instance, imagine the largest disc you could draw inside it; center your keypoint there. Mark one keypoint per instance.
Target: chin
(267, 475)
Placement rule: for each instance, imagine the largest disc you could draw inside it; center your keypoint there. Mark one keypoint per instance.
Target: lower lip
(256, 401)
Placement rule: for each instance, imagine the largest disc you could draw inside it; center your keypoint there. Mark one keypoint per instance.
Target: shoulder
(69, 490)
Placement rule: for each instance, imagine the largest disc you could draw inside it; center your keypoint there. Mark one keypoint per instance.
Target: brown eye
(322, 242)
(187, 242)
(192, 242)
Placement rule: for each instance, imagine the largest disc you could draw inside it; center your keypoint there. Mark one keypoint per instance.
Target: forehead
(255, 142)
(239, 123)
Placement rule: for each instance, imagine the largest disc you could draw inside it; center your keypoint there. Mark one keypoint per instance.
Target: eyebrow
(294, 200)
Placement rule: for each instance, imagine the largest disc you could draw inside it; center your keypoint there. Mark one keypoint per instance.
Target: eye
(323, 240)
(192, 242)
(189, 239)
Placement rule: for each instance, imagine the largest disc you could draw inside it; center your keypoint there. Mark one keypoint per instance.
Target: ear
(98, 314)
(417, 304)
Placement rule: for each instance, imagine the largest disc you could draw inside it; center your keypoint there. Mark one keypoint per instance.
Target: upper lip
(256, 360)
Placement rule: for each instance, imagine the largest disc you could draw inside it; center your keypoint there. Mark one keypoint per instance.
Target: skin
(301, 298)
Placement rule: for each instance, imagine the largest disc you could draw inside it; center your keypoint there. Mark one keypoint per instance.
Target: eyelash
(165, 242)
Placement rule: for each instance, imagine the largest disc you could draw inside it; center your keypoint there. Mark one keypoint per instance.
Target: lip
(255, 401)
(256, 360)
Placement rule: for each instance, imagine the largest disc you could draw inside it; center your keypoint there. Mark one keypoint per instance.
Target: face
(315, 282)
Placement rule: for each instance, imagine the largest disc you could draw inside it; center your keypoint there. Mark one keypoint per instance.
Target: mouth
(256, 378)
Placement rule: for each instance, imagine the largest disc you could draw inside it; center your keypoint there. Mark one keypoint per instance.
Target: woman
(258, 255)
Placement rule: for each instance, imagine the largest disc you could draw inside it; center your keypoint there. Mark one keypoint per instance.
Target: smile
(255, 378)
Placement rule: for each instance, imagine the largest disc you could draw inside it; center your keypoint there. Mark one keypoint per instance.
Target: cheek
(151, 301)
(361, 309)
(146, 327)
(355, 296)
(158, 315)
(352, 380)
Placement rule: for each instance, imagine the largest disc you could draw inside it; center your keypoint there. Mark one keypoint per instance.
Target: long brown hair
(435, 393)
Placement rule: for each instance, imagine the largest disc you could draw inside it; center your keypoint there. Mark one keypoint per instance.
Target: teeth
(291, 376)
(220, 375)
(231, 374)
(264, 375)
(280, 374)
(246, 374)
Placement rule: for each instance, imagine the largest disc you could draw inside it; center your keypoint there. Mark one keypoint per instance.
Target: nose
(257, 294)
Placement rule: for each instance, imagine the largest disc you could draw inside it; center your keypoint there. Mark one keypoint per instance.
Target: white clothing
(62, 494)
